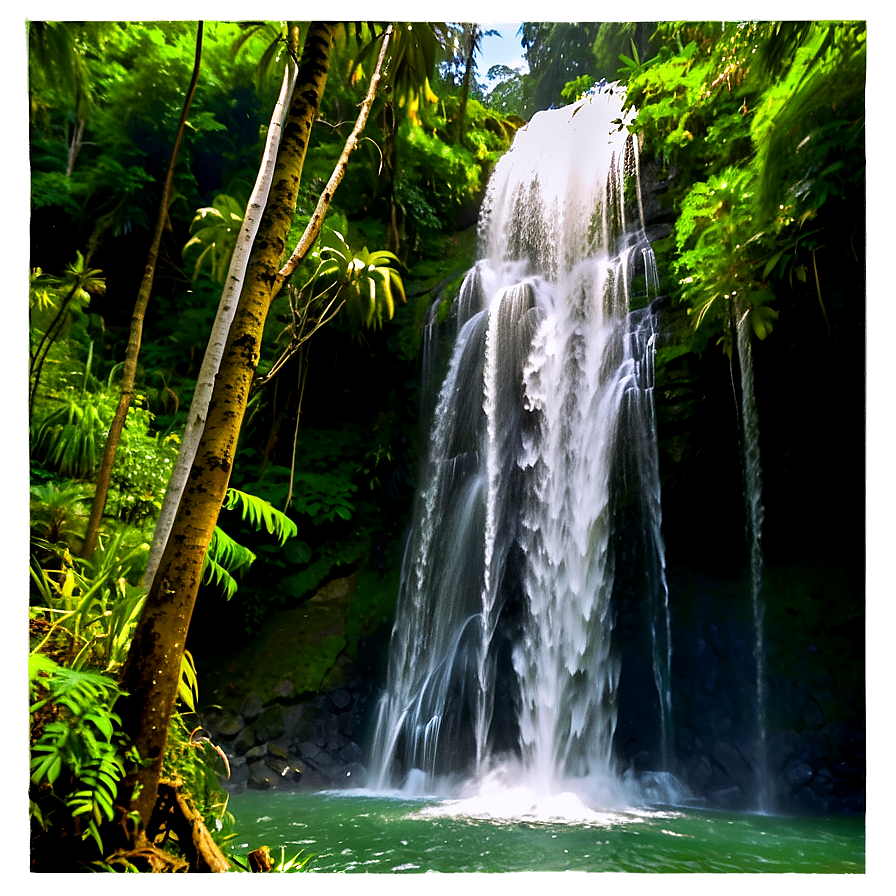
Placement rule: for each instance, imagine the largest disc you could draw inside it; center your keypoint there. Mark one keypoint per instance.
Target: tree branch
(312, 231)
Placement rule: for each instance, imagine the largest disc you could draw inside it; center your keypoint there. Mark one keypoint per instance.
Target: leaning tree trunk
(153, 667)
(129, 372)
(223, 319)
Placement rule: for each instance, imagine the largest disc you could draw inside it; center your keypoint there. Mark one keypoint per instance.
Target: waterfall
(755, 514)
(542, 432)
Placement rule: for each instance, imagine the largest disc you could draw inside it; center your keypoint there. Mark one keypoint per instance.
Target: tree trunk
(465, 86)
(152, 670)
(129, 373)
(389, 128)
(43, 349)
(223, 319)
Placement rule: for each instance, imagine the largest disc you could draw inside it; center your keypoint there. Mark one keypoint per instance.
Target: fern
(259, 511)
(223, 556)
(82, 741)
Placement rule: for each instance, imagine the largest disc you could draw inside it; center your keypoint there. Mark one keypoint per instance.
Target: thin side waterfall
(502, 660)
(755, 515)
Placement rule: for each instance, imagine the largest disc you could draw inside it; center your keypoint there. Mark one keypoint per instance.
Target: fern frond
(229, 553)
(215, 574)
(258, 512)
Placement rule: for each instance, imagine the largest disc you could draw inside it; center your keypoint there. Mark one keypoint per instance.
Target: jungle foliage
(754, 131)
(105, 101)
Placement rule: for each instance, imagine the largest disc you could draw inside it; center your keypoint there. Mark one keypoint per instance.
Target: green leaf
(771, 263)
(296, 551)
(258, 512)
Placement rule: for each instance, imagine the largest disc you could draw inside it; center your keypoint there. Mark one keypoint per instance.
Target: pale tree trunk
(129, 372)
(153, 667)
(221, 327)
(74, 147)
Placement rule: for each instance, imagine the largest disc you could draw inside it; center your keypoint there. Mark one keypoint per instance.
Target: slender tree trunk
(75, 146)
(153, 667)
(465, 86)
(129, 373)
(313, 228)
(393, 231)
(46, 343)
(226, 309)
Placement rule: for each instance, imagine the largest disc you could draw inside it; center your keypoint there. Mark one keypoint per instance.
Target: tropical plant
(225, 555)
(89, 607)
(363, 281)
(765, 124)
(239, 259)
(129, 371)
(72, 295)
(77, 759)
(214, 232)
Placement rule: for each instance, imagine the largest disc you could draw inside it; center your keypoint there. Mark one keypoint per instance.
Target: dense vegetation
(754, 132)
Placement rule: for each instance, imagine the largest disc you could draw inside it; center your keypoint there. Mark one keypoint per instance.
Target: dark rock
(341, 699)
(733, 763)
(728, 798)
(808, 801)
(699, 772)
(261, 777)
(684, 739)
(327, 729)
(244, 741)
(324, 763)
(284, 688)
(355, 775)
(257, 752)
(279, 766)
(269, 724)
(308, 749)
(278, 750)
(222, 725)
(797, 773)
(350, 753)
(811, 714)
(252, 707)
(336, 743)
(293, 717)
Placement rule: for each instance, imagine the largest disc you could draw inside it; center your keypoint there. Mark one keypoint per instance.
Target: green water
(356, 832)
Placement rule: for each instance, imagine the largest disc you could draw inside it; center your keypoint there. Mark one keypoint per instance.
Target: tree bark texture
(129, 372)
(152, 670)
(211, 361)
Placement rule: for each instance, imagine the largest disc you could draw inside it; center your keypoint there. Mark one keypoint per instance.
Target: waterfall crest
(542, 429)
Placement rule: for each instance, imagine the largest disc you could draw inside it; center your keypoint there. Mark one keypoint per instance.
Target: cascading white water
(755, 516)
(502, 651)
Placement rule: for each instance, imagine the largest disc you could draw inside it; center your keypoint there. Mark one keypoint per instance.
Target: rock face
(293, 746)
(815, 748)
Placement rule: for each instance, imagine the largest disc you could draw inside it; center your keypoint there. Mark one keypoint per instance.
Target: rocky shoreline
(310, 745)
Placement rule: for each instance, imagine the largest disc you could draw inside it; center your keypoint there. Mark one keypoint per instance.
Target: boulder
(261, 776)
(252, 707)
(269, 724)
